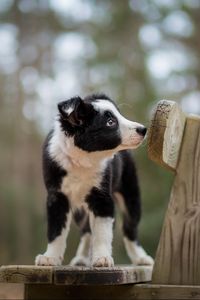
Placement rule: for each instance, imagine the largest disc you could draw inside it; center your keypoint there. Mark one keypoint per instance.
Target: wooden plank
(11, 291)
(68, 275)
(121, 274)
(163, 292)
(111, 292)
(25, 274)
(177, 259)
(165, 134)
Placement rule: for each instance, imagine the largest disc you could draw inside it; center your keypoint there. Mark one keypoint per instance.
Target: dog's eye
(111, 122)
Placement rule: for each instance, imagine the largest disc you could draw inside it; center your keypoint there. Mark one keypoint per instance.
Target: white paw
(80, 261)
(43, 260)
(104, 261)
(145, 260)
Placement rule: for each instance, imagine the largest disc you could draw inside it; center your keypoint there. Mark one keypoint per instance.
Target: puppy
(86, 167)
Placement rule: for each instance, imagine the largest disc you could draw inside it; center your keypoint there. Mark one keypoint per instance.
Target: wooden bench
(72, 282)
(173, 142)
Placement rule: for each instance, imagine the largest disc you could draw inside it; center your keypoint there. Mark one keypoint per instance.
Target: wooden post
(174, 142)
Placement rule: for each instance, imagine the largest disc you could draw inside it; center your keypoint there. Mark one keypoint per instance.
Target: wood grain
(178, 255)
(165, 134)
(122, 274)
(111, 292)
(11, 291)
(25, 274)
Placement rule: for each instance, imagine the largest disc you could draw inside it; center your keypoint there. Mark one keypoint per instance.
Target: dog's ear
(74, 110)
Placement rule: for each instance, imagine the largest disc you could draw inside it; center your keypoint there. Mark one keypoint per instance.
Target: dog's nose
(141, 130)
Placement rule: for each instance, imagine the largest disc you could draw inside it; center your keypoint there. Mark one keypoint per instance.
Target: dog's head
(96, 124)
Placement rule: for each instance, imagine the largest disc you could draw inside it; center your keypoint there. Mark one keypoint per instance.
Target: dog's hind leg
(131, 214)
(82, 257)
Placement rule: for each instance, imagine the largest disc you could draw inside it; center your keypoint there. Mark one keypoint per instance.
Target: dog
(87, 165)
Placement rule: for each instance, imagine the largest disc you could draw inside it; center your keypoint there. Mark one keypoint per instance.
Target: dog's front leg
(59, 219)
(102, 235)
(101, 221)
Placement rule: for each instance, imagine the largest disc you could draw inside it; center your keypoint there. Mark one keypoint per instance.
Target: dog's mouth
(133, 142)
(131, 146)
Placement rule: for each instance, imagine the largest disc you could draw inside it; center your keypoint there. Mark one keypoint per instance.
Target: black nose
(141, 130)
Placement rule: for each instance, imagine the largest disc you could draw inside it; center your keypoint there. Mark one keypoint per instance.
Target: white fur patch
(130, 138)
(137, 254)
(102, 236)
(56, 249)
(76, 188)
(69, 110)
(84, 170)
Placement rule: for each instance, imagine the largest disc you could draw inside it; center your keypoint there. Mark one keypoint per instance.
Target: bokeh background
(136, 51)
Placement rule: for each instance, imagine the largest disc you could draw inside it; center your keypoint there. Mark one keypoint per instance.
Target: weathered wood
(165, 292)
(165, 134)
(102, 276)
(178, 255)
(11, 291)
(67, 275)
(111, 292)
(25, 274)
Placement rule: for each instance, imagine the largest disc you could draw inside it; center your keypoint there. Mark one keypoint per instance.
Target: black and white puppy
(86, 167)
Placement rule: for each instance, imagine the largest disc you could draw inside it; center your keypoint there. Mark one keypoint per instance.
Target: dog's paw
(43, 260)
(104, 261)
(146, 260)
(80, 261)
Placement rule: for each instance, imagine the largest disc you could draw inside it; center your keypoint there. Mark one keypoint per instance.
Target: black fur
(129, 188)
(100, 203)
(57, 209)
(57, 203)
(87, 127)
(91, 136)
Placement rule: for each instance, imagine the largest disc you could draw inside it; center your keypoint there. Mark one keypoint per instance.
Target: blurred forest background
(137, 51)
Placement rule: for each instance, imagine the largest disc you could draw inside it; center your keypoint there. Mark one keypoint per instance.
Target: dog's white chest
(77, 185)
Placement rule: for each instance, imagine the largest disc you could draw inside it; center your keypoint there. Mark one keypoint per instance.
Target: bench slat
(26, 274)
(67, 275)
(102, 276)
